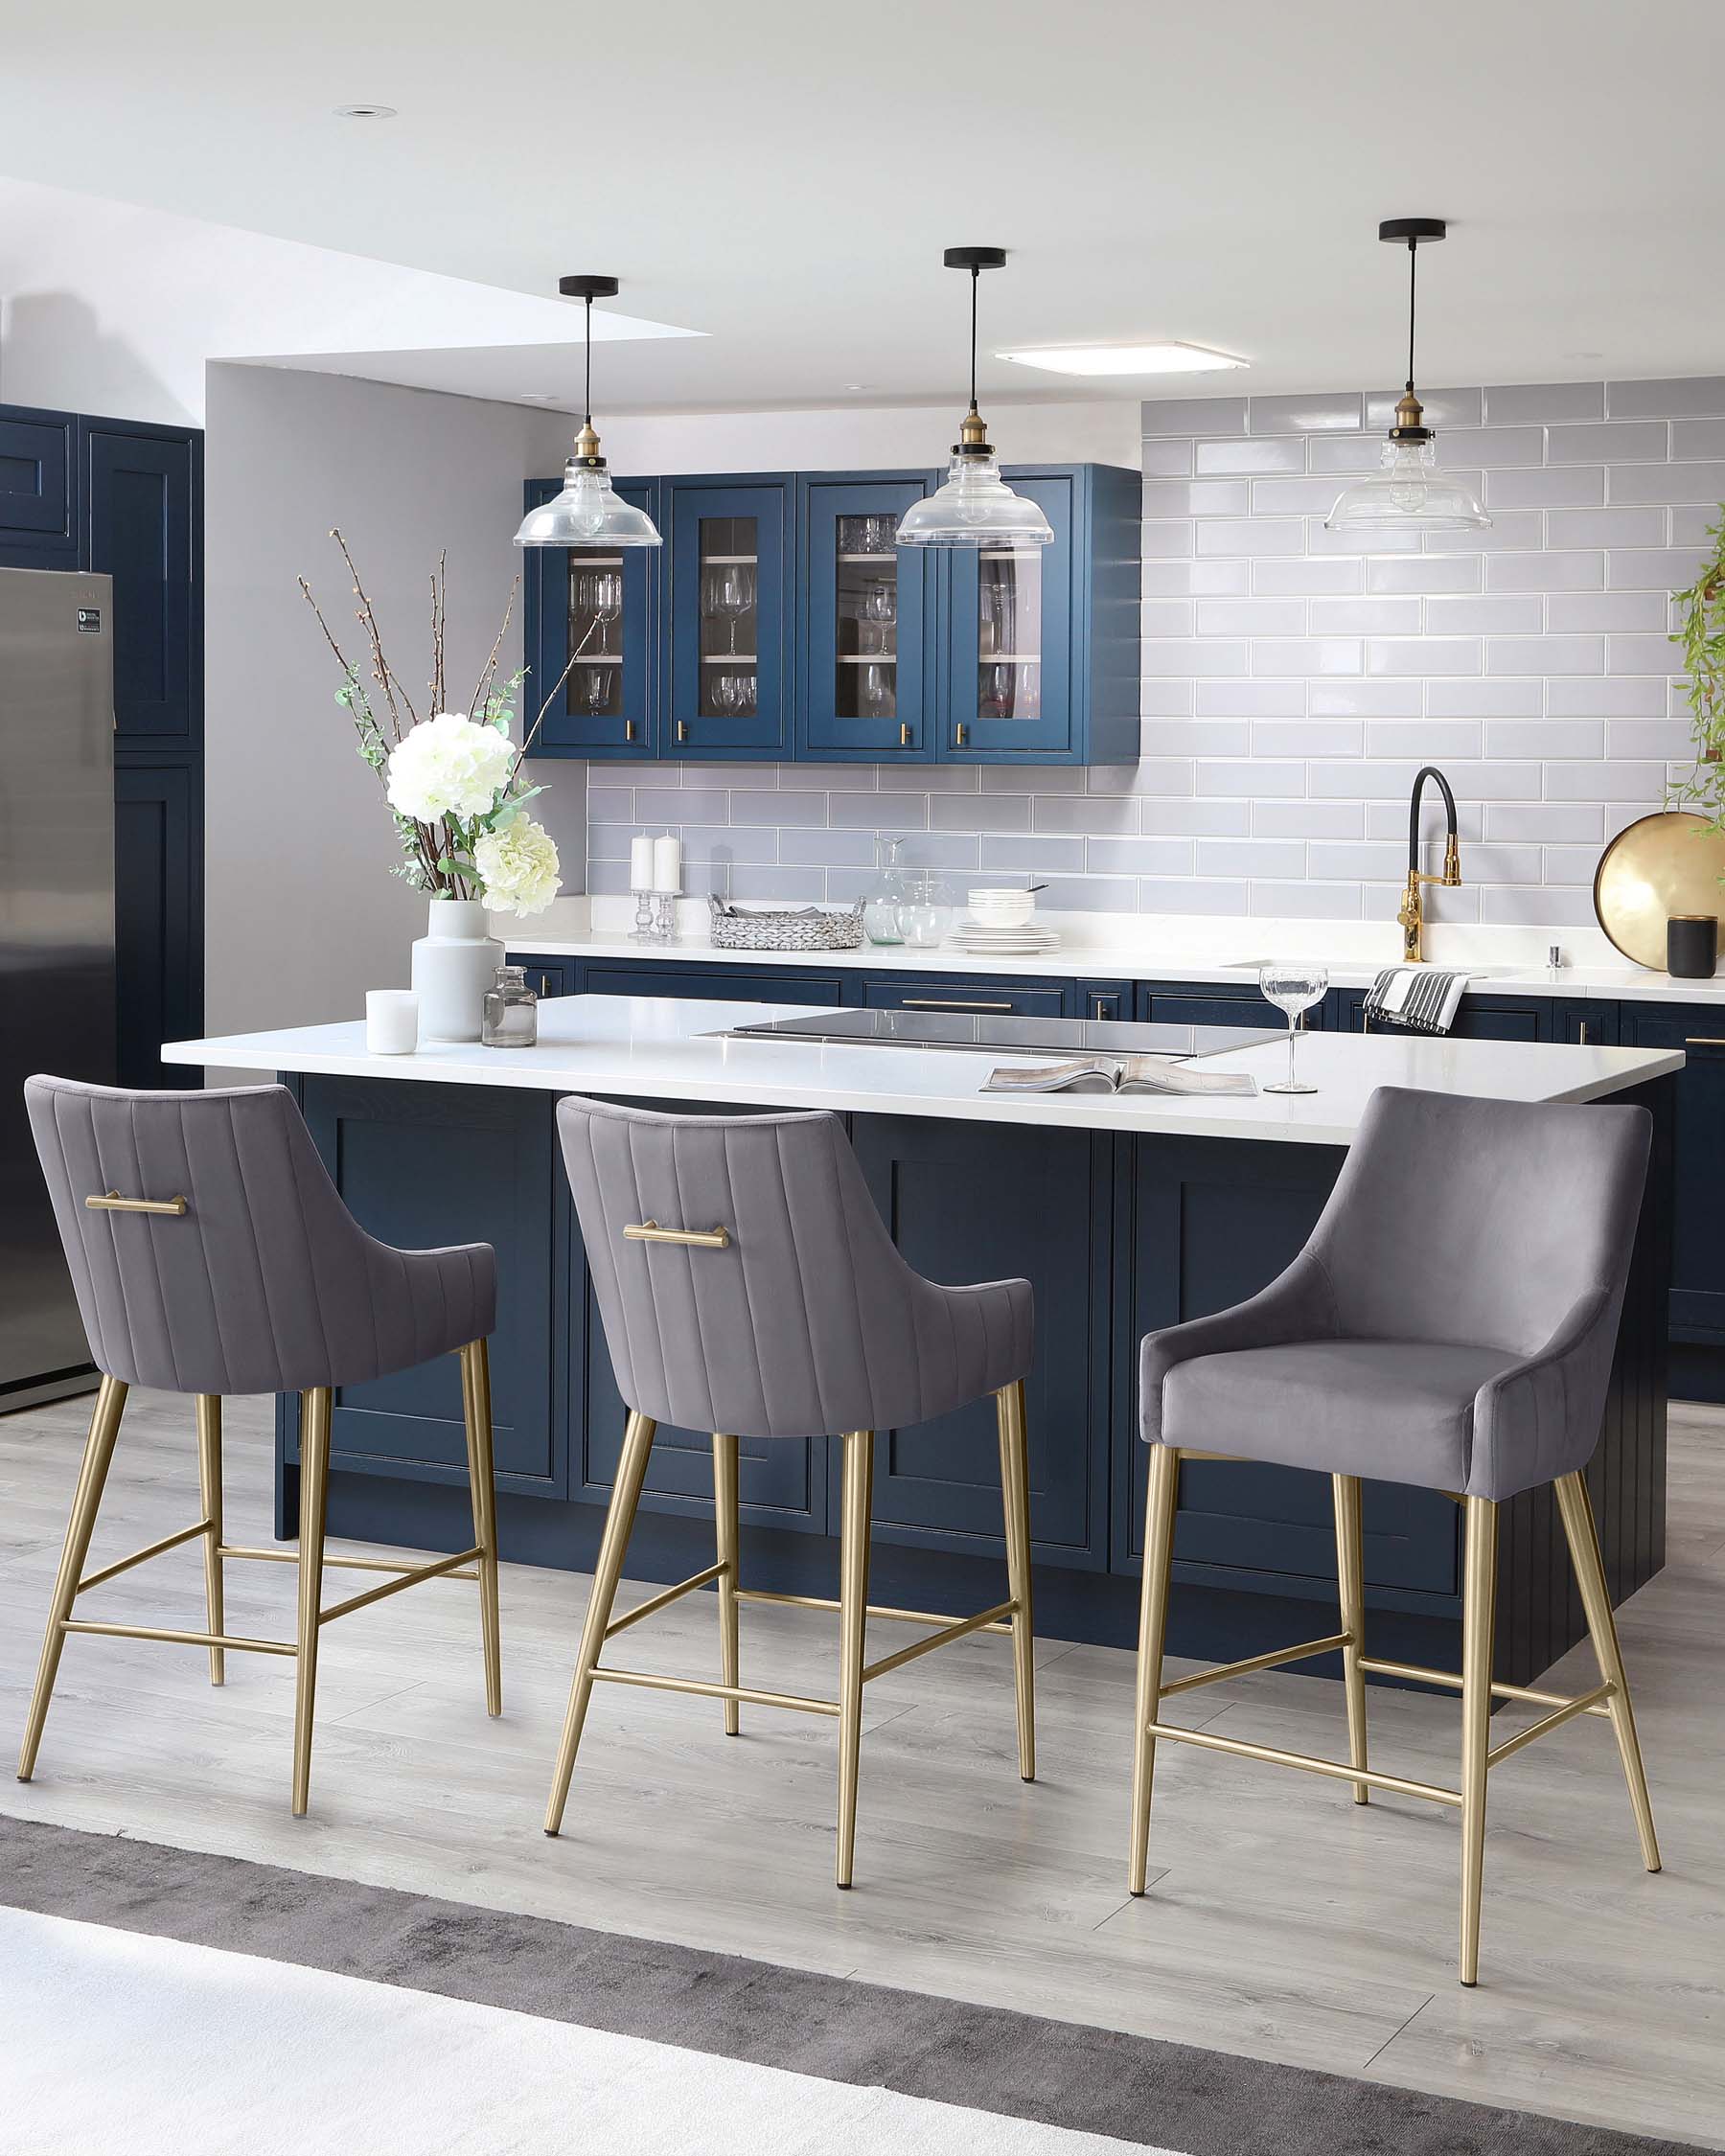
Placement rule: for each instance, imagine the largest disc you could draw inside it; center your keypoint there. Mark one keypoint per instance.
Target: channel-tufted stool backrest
(265, 1283)
(807, 1322)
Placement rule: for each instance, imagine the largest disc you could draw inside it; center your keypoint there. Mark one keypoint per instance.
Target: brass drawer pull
(111, 1201)
(1705, 1041)
(960, 735)
(682, 729)
(904, 736)
(939, 1003)
(629, 729)
(694, 1238)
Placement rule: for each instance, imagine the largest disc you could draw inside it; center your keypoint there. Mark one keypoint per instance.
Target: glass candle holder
(509, 1018)
(643, 926)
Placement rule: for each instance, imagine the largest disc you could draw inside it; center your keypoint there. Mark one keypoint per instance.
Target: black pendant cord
(588, 391)
(1413, 283)
(976, 274)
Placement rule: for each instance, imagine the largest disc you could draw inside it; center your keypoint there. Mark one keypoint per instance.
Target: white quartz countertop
(1124, 948)
(661, 1048)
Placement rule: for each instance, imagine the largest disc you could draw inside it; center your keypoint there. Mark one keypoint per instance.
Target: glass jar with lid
(509, 1019)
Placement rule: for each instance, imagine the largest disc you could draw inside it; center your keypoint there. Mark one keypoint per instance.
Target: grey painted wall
(303, 913)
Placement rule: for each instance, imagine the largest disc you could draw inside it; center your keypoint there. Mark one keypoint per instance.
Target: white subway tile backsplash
(1293, 680)
(1570, 486)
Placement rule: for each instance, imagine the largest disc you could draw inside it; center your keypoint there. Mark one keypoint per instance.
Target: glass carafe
(510, 1016)
(885, 895)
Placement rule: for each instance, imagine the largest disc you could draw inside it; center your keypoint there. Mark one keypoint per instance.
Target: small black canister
(1691, 946)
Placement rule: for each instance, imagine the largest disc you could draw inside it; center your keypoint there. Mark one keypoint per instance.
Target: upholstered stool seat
(1450, 1324)
(748, 1288)
(211, 1254)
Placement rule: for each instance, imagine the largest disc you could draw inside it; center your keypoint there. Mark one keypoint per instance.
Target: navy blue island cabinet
(780, 623)
(1117, 1234)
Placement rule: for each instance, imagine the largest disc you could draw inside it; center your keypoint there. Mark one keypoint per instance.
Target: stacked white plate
(1003, 924)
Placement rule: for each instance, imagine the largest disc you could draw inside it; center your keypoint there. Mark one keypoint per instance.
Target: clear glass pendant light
(588, 512)
(974, 506)
(1410, 493)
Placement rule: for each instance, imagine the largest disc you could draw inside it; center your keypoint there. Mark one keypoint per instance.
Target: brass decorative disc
(1660, 866)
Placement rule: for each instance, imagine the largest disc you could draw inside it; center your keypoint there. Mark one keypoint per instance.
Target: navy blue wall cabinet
(126, 499)
(827, 643)
(425, 1166)
(603, 606)
(144, 495)
(730, 608)
(866, 660)
(38, 488)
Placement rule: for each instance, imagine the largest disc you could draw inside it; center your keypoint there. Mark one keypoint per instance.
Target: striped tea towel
(1418, 997)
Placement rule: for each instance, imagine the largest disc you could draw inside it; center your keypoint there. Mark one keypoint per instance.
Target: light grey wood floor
(1282, 1921)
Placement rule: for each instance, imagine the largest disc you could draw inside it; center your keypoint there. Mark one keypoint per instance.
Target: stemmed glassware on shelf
(607, 603)
(595, 688)
(729, 595)
(1293, 985)
(880, 611)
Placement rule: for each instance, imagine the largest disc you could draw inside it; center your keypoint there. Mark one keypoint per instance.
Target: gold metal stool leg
(1350, 1580)
(476, 1408)
(1153, 1624)
(853, 1629)
(314, 1505)
(1478, 1627)
(209, 1483)
(92, 1475)
(1015, 1494)
(727, 1536)
(608, 1571)
(1575, 1506)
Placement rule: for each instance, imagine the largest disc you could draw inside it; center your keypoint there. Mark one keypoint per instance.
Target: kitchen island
(1125, 1213)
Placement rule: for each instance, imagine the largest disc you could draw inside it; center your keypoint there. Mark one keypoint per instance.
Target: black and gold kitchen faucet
(1411, 915)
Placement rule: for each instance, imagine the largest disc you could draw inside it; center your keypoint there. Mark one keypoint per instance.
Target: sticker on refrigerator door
(89, 620)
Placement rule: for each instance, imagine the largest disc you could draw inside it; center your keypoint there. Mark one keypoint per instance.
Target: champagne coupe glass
(1293, 985)
(606, 604)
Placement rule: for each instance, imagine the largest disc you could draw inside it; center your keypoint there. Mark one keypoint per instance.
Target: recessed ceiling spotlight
(365, 112)
(1124, 359)
(856, 385)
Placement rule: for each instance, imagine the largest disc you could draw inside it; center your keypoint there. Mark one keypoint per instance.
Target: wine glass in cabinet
(864, 629)
(729, 547)
(1008, 638)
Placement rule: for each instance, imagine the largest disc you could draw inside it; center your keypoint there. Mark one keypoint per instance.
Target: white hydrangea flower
(448, 766)
(518, 867)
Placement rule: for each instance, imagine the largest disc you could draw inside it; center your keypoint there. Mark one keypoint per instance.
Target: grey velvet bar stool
(1450, 1324)
(211, 1254)
(748, 1288)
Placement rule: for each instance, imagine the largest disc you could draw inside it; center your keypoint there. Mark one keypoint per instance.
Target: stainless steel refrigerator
(56, 934)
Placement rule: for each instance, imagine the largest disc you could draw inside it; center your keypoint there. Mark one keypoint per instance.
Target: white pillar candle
(641, 863)
(667, 864)
(391, 1021)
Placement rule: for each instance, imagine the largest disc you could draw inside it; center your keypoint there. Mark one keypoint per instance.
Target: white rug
(130, 2044)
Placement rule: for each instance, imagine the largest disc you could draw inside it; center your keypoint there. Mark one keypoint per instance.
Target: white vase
(453, 965)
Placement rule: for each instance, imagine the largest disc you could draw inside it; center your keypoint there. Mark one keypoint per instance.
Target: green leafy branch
(1701, 634)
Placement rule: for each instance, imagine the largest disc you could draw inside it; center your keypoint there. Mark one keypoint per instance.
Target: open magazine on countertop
(1115, 1074)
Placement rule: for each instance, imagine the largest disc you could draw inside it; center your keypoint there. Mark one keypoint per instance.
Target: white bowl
(1002, 909)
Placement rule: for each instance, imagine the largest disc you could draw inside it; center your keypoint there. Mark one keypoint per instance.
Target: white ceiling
(782, 175)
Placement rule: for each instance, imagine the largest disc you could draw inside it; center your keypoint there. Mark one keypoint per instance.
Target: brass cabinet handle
(942, 1003)
(629, 732)
(111, 1201)
(695, 1238)
(1705, 1041)
(959, 733)
(1101, 1005)
(1581, 1035)
(905, 735)
(682, 731)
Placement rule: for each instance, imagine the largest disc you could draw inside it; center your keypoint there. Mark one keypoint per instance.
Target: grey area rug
(1137, 2089)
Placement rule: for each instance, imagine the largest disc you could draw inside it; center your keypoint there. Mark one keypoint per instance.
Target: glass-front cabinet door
(866, 683)
(730, 555)
(1009, 639)
(591, 623)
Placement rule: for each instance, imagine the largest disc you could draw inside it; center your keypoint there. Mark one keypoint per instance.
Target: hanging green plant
(1701, 632)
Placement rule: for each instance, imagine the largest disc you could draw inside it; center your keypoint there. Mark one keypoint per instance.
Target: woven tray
(735, 928)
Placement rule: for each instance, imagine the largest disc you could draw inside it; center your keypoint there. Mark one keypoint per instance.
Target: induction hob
(975, 1030)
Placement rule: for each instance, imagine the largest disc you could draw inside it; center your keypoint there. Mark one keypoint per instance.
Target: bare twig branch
(490, 671)
(382, 672)
(527, 739)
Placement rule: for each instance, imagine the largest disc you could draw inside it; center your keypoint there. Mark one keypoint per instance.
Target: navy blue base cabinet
(125, 498)
(1117, 1234)
(780, 622)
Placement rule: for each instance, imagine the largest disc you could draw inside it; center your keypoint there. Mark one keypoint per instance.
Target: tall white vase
(453, 965)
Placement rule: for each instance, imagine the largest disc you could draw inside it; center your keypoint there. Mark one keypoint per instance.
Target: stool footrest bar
(1417, 1673)
(705, 1691)
(141, 1556)
(1337, 1770)
(1274, 1659)
(951, 1629)
(1583, 1704)
(408, 1578)
(662, 1601)
(875, 1609)
(343, 1564)
(181, 1639)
